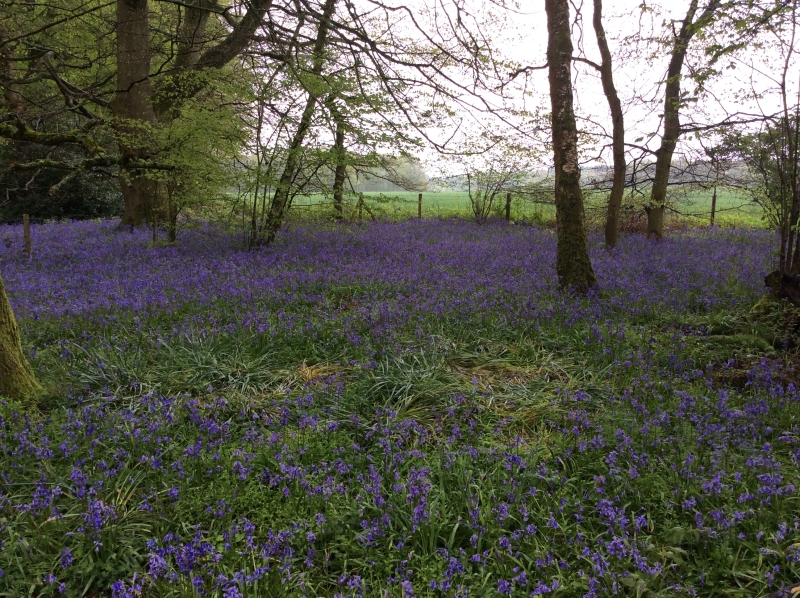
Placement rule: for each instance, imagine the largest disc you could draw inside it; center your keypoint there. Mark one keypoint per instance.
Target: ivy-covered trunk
(572, 259)
(16, 376)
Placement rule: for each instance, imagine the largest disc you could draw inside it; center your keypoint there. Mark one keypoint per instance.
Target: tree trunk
(339, 174)
(713, 204)
(132, 105)
(672, 123)
(280, 200)
(618, 130)
(11, 93)
(133, 109)
(508, 206)
(572, 262)
(139, 196)
(16, 376)
(191, 56)
(191, 34)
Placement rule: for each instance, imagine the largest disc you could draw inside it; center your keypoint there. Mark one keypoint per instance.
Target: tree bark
(133, 109)
(133, 104)
(340, 172)
(192, 57)
(672, 123)
(11, 92)
(618, 129)
(714, 204)
(573, 265)
(191, 33)
(16, 376)
(281, 198)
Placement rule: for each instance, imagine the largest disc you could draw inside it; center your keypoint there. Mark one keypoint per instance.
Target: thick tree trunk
(139, 197)
(11, 94)
(280, 201)
(172, 218)
(133, 109)
(340, 172)
(672, 123)
(133, 106)
(572, 262)
(618, 130)
(16, 376)
(191, 34)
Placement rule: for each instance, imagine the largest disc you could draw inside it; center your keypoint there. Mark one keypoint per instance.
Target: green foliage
(84, 196)
(767, 155)
(201, 145)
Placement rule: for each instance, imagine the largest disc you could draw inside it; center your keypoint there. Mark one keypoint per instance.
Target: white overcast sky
(523, 37)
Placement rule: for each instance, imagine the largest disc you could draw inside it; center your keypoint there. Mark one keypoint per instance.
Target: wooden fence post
(26, 228)
(508, 206)
(419, 206)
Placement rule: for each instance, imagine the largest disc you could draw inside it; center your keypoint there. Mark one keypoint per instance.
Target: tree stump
(784, 286)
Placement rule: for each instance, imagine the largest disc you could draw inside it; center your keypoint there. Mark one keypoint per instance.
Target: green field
(734, 208)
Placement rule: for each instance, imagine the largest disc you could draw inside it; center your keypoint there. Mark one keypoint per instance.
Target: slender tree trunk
(508, 206)
(618, 130)
(341, 171)
(713, 204)
(133, 109)
(573, 265)
(672, 123)
(281, 198)
(16, 376)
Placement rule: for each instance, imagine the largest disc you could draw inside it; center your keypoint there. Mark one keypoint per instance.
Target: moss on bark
(16, 376)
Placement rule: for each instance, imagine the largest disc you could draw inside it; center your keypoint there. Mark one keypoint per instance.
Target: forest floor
(397, 409)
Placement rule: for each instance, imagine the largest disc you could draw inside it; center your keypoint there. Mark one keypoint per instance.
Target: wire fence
(732, 207)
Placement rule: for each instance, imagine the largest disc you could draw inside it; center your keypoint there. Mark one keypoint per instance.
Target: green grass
(690, 206)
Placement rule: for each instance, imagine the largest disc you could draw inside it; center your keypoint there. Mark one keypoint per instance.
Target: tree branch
(22, 132)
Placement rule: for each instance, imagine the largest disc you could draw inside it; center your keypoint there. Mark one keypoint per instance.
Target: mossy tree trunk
(16, 376)
(572, 262)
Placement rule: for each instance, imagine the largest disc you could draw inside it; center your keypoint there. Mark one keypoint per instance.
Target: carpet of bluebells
(404, 409)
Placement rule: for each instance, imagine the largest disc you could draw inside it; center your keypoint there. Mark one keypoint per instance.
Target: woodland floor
(398, 409)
